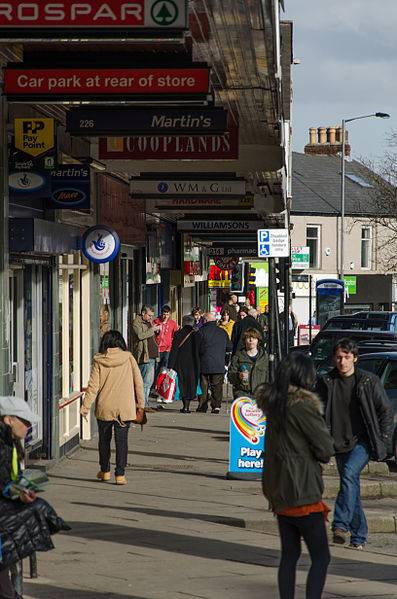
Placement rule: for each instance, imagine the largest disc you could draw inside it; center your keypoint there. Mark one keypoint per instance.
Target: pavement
(180, 530)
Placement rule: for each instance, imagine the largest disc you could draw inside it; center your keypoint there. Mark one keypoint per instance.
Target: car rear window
(372, 364)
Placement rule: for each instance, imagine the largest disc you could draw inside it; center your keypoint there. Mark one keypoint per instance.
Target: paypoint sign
(34, 136)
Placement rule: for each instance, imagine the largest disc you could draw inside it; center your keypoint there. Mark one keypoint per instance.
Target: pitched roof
(316, 186)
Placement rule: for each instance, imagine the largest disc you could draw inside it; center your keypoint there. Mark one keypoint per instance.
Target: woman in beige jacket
(116, 385)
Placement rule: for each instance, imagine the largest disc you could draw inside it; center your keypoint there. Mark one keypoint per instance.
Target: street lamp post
(381, 115)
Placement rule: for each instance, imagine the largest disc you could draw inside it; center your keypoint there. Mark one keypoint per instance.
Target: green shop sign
(300, 257)
(351, 284)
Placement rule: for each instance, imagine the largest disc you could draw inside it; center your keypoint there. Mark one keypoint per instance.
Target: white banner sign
(169, 188)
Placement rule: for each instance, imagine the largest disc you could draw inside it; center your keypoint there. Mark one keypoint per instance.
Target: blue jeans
(163, 363)
(349, 514)
(147, 372)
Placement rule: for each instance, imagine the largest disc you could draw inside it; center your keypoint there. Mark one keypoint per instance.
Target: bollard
(33, 565)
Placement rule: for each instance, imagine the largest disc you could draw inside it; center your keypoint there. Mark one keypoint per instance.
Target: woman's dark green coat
(292, 474)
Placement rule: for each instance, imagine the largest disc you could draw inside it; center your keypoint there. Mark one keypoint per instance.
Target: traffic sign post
(273, 243)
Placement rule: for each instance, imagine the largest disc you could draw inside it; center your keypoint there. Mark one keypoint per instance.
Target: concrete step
(373, 468)
(371, 488)
(381, 517)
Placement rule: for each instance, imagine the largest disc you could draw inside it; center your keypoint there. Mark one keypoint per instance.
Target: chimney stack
(329, 141)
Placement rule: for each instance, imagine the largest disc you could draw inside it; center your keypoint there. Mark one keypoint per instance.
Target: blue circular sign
(100, 244)
(162, 187)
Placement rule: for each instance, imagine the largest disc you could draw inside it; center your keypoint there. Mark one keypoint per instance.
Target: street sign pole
(286, 304)
(272, 323)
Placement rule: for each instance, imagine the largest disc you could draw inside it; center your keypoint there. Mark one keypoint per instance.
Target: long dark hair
(296, 370)
(110, 340)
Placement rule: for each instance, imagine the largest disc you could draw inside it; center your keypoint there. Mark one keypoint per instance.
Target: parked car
(364, 321)
(368, 342)
(385, 366)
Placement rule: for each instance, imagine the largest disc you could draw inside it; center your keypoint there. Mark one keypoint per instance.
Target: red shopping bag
(166, 385)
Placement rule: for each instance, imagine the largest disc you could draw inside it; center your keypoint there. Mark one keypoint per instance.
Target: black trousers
(312, 529)
(105, 430)
(6, 589)
(214, 382)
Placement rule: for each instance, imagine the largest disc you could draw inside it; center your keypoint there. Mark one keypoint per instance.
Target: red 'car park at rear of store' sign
(74, 81)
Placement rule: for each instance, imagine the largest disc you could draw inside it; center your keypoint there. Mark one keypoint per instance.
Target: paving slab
(176, 531)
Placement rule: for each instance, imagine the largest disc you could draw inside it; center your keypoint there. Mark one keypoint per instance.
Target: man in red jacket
(164, 337)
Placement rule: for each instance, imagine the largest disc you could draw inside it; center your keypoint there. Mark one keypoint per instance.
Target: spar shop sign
(20, 18)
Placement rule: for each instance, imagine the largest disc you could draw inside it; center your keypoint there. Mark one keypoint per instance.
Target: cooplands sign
(23, 17)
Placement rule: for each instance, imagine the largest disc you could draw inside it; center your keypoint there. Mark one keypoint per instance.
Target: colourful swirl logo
(248, 419)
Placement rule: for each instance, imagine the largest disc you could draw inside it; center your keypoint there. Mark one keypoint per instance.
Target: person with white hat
(26, 521)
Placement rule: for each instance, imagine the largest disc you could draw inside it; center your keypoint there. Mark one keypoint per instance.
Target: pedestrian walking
(26, 521)
(226, 322)
(249, 366)
(297, 439)
(213, 347)
(197, 314)
(245, 321)
(116, 385)
(185, 360)
(164, 337)
(232, 306)
(292, 325)
(145, 349)
(359, 416)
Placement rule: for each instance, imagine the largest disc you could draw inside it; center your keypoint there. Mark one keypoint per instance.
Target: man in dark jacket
(245, 321)
(359, 416)
(232, 306)
(213, 347)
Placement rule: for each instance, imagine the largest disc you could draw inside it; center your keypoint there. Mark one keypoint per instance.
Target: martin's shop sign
(172, 147)
(86, 83)
(102, 122)
(152, 189)
(32, 158)
(30, 19)
(70, 187)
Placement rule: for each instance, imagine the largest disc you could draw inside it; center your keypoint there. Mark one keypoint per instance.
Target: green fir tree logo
(164, 12)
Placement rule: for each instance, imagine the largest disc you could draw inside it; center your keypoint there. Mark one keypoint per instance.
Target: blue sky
(348, 54)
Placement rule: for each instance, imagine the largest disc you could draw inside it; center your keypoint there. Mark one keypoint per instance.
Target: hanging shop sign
(91, 83)
(34, 136)
(70, 187)
(32, 156)
(150, 188)
(228, 262)
(218, 226)
(97, 121)
(23, 19)
(241, 250)
(100, 244)
(194, 204)
(172, 147)
(247, 439)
